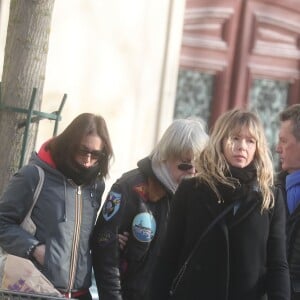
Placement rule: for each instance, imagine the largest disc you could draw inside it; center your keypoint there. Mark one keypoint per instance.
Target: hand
(39, 254)
(123, 239)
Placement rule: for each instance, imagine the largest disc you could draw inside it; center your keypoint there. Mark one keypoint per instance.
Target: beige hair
(182, 136)
(212, 166)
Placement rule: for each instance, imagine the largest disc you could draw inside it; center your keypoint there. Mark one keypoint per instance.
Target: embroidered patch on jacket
(142, 191)
(105, 238)
(111, 205)
(144, 227)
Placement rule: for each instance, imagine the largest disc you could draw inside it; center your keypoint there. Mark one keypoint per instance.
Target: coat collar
(252, 200)
(155, 189)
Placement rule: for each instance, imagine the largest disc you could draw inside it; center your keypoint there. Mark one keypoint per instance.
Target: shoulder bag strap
(38, 187)
(35, 195)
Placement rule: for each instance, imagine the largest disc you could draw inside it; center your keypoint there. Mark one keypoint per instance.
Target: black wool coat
(293, 239)
(242, 258)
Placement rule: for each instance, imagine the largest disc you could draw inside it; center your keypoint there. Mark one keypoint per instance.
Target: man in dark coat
(288, 149)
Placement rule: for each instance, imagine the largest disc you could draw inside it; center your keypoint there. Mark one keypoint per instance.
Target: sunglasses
(184, 166)
(95, 155)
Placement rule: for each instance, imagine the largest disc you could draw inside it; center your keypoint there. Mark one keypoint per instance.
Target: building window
(194, 94)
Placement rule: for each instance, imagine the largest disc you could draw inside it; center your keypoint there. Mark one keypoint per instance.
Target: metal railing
(33, 116)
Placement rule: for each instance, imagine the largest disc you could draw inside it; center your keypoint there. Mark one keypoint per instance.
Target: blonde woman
(242, 257)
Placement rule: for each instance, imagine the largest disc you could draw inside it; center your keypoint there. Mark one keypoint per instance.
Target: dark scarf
(70, 168)
(78, 173)
(247, 182)
(245, 175)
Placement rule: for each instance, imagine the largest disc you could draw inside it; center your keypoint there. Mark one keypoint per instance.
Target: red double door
(239, 53)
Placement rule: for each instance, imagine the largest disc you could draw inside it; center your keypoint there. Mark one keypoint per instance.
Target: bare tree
(24, 68)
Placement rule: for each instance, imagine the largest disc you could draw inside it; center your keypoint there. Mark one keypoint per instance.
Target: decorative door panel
(239, 53)
(208, 45)
(269, 48)
(267, 76)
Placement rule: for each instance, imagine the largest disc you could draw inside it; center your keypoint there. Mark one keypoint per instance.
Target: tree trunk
(24, 67)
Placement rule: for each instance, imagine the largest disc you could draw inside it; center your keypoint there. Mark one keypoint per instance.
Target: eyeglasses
(95, 155)
(184, 166)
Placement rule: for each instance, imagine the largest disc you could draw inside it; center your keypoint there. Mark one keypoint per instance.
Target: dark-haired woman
(75, 164)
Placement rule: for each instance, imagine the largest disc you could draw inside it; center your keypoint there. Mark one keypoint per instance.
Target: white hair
(182, 136)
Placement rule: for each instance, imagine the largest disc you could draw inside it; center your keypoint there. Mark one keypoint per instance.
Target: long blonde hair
(212, 165)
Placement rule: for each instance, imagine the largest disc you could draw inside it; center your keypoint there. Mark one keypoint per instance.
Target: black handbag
(177, 279)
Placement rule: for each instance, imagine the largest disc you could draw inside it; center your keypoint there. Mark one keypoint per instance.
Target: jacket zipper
(76, 239)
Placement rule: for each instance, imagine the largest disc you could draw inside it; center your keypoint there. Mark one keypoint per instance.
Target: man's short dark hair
(292, 113)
